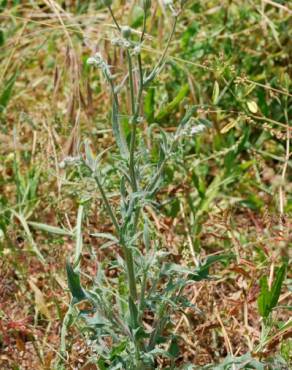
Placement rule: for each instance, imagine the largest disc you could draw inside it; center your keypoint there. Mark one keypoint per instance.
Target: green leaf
(78, 293)
(105, 236)
(2, 37)
(137, 16)
(268, 299)
(174, 348)
(118, 131)
(33, 244)
(146, 235)
(3, 5)
(90, 160)
(243, 362)
(95, 321)
(50, 229)
(199, 273)
(78, 236)
(174, 103)
(7, 91)
(216, 91)
(202, 271)
(277, 285)
(119, 349)
(199, 184)
(264, 297)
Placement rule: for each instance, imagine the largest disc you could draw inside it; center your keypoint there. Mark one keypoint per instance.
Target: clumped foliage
(145, 174)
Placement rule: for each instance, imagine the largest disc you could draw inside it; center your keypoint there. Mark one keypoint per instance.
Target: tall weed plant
(128, 320)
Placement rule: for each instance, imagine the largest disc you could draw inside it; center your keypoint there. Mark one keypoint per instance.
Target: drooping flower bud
(96, 60)
(126, 32)
(146, 4)
(136, 50)
(107, 2)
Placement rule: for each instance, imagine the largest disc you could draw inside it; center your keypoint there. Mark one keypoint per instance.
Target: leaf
(277, 285)
(105, 236)
(229, 126)
(3, 5)
(2, 37)
(40, 300)
(50, 229)
(89, 156)
(78, 235)
(199, 184)
(78, 293)
(174, 348)
(264, 297)
(268, 299)
(146, 235)
(216, 91)
(202, 271)
(199, 273)
(137, 16)
(96, 320)
(33, 244)
(243, 362)
(188, 115)
(7, 91)
(174, 103)
(118, 349)
(252, 106)
(118, 131)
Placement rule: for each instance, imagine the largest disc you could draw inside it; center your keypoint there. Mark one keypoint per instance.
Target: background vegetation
(227, 190)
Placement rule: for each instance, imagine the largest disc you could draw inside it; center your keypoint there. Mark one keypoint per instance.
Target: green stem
(107, 205)
(161, 59)
(144, 27)
(131, 82)
(126, 251)
(114, 18)
(134, 125)
(142, 294)
(130, 270)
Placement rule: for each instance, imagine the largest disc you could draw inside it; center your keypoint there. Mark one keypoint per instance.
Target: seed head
(126, 32)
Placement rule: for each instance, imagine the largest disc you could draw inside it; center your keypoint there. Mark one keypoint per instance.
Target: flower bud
(146, 4)
(126, 32)
(107, 2)
(136, 50)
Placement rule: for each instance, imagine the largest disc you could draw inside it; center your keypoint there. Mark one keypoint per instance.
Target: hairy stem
(107, 204)
(134, 124)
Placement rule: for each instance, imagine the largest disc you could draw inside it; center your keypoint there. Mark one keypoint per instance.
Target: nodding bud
(126, 32)
(96, 60)
(146, 4)
(107, 2)
(136, 50)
